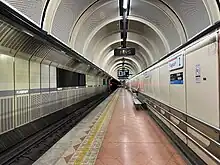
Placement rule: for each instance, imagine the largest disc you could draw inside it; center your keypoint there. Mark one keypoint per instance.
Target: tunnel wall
(28, 91)
(194, 98)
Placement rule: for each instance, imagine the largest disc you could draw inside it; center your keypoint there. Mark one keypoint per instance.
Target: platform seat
(137, 103)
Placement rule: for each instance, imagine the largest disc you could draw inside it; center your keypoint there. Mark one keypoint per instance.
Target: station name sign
(124, 52)
(176, 62)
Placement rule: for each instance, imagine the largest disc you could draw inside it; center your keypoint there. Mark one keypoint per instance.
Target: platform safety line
(95, 129)
(105, 128)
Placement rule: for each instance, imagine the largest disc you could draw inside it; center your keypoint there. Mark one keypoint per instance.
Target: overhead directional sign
(124, 52)
(123, 73)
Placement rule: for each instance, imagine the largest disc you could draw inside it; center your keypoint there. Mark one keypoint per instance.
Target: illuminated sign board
(124, 52)
(123, 73)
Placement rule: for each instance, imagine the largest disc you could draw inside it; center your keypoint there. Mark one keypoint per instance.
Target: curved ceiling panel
(159, 18)
(66, 15)
(91, 27)
(134, 64)
(140, 57)
(134, 40)
(32, 9)
(133, 68)
(190, 11)
(96, 17)
(133, 61)
(108, 56)
(146, 54)
(137, 31)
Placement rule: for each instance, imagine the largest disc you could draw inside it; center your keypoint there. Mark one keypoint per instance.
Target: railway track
(30, 149)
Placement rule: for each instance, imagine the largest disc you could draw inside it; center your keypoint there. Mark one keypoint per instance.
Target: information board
(124, 52)
(123, 73)
(176, 62)
(176, 78)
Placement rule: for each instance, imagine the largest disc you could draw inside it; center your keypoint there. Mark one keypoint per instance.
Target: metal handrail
(199, 120)
(213, 157)
(198, 131)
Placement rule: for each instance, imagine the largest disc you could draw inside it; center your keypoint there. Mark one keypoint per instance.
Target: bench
(137, 103)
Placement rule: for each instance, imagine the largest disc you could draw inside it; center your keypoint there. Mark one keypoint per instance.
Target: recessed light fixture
(125, 4)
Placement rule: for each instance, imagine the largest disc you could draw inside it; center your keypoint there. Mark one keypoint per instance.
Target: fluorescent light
(125, 4)
(3, 56)
(28, 33)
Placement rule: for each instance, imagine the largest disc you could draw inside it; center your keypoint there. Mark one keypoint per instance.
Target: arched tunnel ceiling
(91, 27)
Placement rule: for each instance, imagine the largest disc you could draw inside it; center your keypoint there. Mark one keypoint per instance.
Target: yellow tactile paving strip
(87, 152)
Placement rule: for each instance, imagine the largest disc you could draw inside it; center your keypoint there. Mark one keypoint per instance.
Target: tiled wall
(45, 76)
(28, 91)
(6, 73)
(34, 75)
(21, 74)
(92, 80)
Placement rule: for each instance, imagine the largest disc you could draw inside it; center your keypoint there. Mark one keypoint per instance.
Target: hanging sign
(123, 73)
(124, 51)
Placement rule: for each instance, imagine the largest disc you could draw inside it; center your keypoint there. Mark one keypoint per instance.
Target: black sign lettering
(124, 52)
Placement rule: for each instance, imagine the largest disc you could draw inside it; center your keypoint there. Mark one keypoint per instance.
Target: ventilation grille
(70, 63)
(4, 29)
(6, 114)
(42, 51)
(21, 112)
(35, 106)
(35, 101)
(13, 39)
(53, 97)
(45, 98)
(40, 105)
(53, 100)
(30, 47)
(58, 57)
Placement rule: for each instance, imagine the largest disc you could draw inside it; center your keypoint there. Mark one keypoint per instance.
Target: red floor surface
(133, 138)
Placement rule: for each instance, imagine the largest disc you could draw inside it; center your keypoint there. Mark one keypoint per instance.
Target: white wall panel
(156, 81)
(34, 75)
(150, 88)
(44, 76)
(197, 94)
(53, 77)
(6, 73)
(203, 96)
(21, 74)
(164, 84)
(177, 93)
